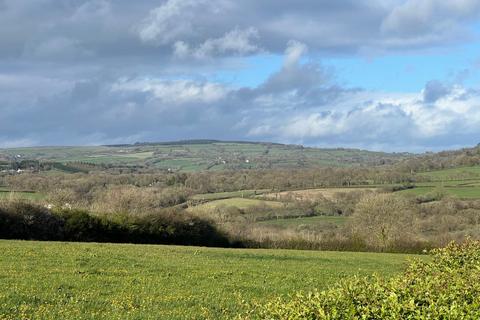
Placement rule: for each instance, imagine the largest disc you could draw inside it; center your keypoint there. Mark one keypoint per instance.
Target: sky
(391, 75)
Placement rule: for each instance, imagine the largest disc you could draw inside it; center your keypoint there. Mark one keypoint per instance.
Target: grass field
(454, 173)
(45, 280)
(4, 194)
(461, 192)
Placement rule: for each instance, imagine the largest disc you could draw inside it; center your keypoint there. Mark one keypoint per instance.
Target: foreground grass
(46, 280)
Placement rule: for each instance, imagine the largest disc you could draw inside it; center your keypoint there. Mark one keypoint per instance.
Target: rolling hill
(193, 155)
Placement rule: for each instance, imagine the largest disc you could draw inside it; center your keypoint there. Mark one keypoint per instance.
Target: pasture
(47, 280)
(453, 173)
(460, 192)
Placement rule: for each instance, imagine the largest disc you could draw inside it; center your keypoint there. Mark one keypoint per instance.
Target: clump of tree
(384, 221)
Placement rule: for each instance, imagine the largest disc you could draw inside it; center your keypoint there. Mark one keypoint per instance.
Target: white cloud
(171, 21)
(174, 91)
(234, 42)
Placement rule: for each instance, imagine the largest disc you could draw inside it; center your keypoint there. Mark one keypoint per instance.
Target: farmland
(460, 182)
(202, 155)
(46, 280)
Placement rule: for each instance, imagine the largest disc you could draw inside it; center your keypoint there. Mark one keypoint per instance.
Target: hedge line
(27, 221)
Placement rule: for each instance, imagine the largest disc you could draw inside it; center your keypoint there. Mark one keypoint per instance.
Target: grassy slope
(44, 280)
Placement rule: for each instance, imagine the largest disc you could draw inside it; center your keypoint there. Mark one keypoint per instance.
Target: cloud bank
(100, 71)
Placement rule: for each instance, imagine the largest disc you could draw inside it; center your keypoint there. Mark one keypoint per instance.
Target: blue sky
(393, 75)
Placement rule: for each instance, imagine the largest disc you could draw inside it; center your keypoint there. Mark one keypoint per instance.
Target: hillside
(191, 156)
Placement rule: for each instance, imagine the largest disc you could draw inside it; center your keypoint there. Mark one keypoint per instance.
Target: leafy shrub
(444, 287)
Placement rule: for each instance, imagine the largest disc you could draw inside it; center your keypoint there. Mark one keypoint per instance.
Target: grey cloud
(149, 30)
(113, 110)
(413, 18)
(435, 90)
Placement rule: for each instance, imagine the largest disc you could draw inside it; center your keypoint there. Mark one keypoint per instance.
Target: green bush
(444, 287)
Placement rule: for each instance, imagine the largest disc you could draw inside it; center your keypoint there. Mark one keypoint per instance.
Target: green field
(453, 174)
(5, 194)
(310, 221)
(45, 280)
(458, 192)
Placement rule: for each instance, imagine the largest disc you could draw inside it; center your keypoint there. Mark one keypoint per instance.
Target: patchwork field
(45, 280)
(203, 155)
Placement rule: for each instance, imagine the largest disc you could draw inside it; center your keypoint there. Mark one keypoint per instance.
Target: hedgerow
(447, 286)
(28, 221)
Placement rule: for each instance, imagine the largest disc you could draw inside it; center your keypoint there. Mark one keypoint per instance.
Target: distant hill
(201, 155)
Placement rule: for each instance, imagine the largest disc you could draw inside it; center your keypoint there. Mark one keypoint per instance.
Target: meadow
(457, 173)
(461, 192)
(54, 280)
